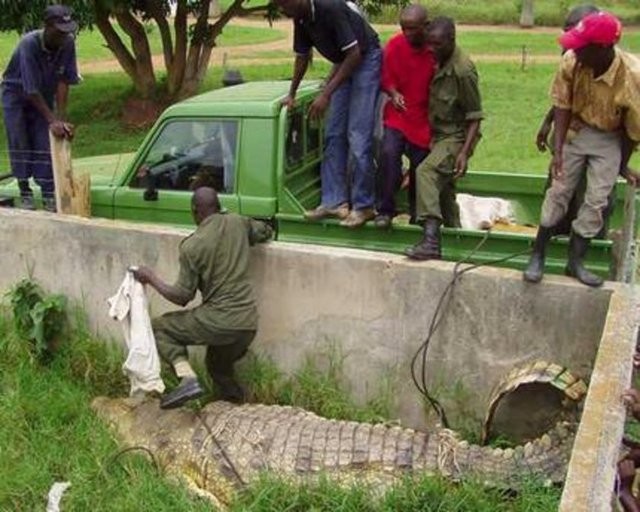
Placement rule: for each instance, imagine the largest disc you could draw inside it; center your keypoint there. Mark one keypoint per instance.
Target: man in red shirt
(407, 69)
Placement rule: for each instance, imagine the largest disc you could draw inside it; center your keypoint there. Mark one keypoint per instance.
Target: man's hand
(143, 274)
(289, 102)
(461, 165)
(626, 473)
(397, 100)
(61, 130)
(631, 398)
(632, 178)
(318, 107)
(556, 166)
(542, 138)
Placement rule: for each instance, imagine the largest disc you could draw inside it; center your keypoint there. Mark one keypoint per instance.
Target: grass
(92, 47)
(497, 12)
(48, 433)
(511, 42)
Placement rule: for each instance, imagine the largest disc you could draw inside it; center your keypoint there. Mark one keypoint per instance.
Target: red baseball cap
(601, 28)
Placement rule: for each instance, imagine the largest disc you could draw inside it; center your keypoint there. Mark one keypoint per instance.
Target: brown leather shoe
(322, 212)
(358, 217)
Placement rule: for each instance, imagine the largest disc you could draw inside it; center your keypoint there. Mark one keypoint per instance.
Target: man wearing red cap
(596, 102)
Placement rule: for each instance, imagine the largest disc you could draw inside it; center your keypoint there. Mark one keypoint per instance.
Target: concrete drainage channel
(376, 307)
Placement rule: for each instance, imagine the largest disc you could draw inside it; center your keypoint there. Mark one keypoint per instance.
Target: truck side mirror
(148, 180)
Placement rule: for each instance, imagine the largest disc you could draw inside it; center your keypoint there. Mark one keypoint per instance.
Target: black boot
(429, 247)
(188, 389)
(535, 269)
(578, 246)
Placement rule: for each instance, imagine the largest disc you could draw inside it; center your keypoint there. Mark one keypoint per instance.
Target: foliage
(39, 318)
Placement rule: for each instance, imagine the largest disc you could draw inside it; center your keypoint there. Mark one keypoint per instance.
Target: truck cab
(264, 161)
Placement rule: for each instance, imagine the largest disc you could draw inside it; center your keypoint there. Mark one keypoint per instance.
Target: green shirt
(454, 97)
(215, 260)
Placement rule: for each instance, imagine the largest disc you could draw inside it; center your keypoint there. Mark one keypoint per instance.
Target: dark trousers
(28, 141)
(176, 330)
(394, 145)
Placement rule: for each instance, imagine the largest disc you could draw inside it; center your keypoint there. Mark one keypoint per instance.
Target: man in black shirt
(343, 37)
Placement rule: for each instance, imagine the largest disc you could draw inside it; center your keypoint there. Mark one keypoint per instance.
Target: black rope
(119, 453)
(222, 451)
(419, 375)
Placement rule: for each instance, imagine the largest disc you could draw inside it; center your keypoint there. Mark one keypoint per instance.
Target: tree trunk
(175, 75)
(145, 75)
(526, 16)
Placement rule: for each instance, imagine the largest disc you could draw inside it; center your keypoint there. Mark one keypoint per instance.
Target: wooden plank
(626, 270)
(73, 193)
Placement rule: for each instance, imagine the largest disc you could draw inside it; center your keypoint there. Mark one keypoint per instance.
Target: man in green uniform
(215, 260)
(455, 113)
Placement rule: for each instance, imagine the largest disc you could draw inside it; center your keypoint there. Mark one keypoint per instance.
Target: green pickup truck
(265, 163)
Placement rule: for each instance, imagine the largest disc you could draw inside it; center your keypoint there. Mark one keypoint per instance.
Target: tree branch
(156, 11)
(176, 75)
(114, 43)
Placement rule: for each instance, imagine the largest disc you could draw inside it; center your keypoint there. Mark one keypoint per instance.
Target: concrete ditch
(376, 308)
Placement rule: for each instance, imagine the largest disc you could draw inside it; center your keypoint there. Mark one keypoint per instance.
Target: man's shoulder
(31, 40)
(462, 64)
(632, 64)
(396, 40)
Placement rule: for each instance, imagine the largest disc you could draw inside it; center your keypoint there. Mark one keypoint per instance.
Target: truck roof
(251, 99)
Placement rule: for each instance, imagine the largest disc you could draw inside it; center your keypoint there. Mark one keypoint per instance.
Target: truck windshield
(194, 152)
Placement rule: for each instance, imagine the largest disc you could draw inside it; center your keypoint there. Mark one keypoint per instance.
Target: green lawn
(511, 42)
(514, 102)
(496, 12)
(91, 45)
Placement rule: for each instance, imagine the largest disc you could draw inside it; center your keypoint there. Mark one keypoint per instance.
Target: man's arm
(300, 66)
(561, 120)
(469, 97)
(542, 138)
(344, 70)
(172, 293)
(472, 135)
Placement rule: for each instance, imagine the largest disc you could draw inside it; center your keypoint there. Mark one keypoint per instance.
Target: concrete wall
(375, 307)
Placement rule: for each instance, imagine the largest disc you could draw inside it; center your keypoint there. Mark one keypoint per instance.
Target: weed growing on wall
(40, 318)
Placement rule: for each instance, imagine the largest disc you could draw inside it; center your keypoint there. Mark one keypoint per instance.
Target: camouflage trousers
(435, 185)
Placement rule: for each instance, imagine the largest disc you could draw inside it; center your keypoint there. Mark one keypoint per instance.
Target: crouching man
(215, 260)
(454, 114)
(597, 125)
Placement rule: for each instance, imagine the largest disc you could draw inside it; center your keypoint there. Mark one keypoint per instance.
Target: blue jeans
(28, 141)
(394, 145)
(349, 131)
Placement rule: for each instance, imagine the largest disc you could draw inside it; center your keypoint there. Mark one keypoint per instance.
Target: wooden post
(626, 271)
(73, 195)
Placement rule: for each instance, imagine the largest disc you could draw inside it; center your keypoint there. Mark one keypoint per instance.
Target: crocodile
(222, 447)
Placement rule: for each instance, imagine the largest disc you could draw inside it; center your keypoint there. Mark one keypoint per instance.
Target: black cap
(60, 17)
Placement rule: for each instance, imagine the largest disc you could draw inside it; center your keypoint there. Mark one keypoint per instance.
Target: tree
(187, 40)
(526, 15)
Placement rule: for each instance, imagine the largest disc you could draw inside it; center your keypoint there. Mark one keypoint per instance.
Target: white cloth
(130, 307)
(483, 212)
(55, 495)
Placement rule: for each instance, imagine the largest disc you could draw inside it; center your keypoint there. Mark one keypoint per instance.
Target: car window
(190, 153)
(295, 141)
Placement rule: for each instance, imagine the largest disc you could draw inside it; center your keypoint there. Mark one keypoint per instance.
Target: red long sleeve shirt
(409, 71)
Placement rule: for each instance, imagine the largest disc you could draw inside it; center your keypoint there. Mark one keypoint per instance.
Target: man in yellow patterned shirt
(596, 95)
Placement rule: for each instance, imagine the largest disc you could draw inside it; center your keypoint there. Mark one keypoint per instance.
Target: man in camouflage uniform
(215, 261)
(455, 113)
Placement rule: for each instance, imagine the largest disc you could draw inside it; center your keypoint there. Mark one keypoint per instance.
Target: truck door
(183, 155)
